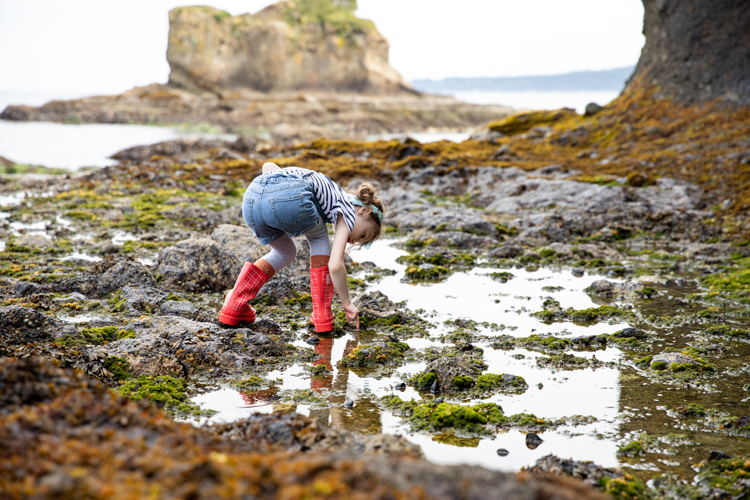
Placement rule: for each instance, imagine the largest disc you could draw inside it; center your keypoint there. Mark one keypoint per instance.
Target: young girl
(288, 202)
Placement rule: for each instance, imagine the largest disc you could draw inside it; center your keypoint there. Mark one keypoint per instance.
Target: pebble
(577, 272)
(437, 401)
(348, 403)
(400, 386)
(312, 341)
(679, 282)
(502, 452)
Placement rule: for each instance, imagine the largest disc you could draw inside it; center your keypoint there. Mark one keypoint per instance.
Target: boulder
(240, 241)
(283, 47)
(447, 369)
(672, 358)
(199, 263)
(123, 273)
(22, 325)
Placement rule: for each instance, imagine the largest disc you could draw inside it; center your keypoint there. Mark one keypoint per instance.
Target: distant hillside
(611, 79)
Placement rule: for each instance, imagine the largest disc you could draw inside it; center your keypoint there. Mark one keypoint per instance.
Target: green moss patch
(97, 336)
(166, 392)
(426, 273)
(590, 315)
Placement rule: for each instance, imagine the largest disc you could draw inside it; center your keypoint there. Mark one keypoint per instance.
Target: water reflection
(551, 394)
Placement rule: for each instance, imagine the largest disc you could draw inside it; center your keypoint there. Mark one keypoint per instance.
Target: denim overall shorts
(276, 204)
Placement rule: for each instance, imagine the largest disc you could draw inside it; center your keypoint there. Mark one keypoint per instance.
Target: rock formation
(696, 50)
(286, 46)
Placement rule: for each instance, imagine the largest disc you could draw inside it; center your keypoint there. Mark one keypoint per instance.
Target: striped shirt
(332, 199)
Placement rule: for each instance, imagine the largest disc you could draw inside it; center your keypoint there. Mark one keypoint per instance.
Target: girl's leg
(283, 251)
(253, 276)
(321, 286)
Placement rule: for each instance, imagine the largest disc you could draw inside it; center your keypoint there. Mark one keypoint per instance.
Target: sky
(109, 46)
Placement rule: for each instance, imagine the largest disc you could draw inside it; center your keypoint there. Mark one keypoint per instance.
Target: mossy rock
(522, 122)
(632, 449)
(451, 373)
(729, 475)
(490, 383)
(390, 353)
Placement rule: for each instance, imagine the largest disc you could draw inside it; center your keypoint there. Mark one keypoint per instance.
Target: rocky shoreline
(125, 283)
(288, 115)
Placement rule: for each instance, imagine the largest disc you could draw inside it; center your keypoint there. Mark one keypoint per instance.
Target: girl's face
(364, 229)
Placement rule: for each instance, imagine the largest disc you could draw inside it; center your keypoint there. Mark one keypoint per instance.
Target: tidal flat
(527, 300)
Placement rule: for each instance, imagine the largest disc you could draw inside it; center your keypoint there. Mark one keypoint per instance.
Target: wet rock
(376, 305)
(180, 308)
(22, 325)
(505, 252)
(34, 242)
(577, 272)
(400, 386)
(106, 248)
(26, 288)
(313, 341)
(275, 291)
(502, 452)
(199, 263)
(176, 346)
(348, 403)
(141, 298)
(123, 273)
(588, 472)
(267, 326)
(446, 370)
(671, 358)
(635, 333)
(617, 291)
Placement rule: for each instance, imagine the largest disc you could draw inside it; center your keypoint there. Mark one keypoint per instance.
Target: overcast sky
(108, 46)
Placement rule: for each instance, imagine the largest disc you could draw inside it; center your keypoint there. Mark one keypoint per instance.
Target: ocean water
(539, 100)
(90, 145)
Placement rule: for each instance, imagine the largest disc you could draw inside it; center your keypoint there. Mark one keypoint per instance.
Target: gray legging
(283, 250)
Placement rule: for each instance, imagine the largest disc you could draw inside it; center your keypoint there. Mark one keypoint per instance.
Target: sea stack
(288, 46)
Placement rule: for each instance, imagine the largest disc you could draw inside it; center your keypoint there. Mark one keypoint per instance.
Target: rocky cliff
(306, 44)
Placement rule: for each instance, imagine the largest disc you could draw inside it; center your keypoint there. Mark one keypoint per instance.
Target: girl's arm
(338, 271)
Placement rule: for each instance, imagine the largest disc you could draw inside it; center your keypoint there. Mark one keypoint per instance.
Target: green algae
(97, 336)
(730, 475)
(488, 384)
(590, 315)
(166, 392)
(424, 273)
(118, 367)
(502, 277)
(248, 384)
(632, 449)
(471, 420)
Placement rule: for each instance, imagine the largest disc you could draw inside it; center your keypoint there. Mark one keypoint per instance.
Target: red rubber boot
(321, 288)
(236, 307)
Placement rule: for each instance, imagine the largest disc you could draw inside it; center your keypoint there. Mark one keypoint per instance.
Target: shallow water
(472, 295)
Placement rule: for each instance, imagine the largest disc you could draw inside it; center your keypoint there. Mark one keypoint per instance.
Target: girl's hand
(352, 313)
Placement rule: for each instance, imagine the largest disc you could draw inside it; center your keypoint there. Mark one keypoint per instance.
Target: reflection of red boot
(248, 283)
(325, 349)
(321, 288)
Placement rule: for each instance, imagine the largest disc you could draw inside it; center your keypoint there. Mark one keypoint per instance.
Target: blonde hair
(367, 194)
